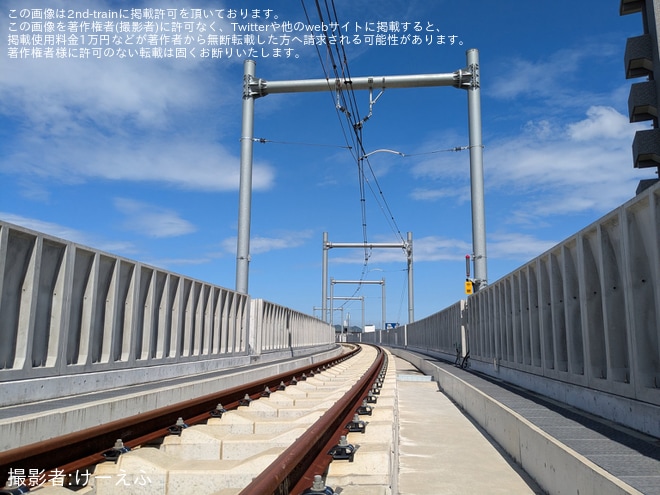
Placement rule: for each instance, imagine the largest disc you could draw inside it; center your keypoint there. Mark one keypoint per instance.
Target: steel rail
(324, 458)
(82, 449)
(293, 471)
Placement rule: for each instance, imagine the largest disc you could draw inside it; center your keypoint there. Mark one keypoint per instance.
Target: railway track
(274, 436)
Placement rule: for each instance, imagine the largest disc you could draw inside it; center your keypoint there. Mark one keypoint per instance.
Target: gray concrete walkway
(441, 451)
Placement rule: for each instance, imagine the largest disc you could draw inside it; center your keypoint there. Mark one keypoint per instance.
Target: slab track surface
(417, 441)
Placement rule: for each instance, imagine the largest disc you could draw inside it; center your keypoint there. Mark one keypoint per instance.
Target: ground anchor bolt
(177, 428)
(357, 425)
(218, 411)
(343, 450)
(118, 449)
(364, 409)
(318, 487)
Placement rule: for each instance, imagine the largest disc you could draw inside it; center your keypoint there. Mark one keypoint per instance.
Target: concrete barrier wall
(278, 328)
(587, 311)
(66, 309)
(580, 323)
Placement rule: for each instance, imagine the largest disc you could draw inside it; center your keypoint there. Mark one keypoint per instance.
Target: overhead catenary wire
(346, 109)
(350, 109)
(266, 141)
(338, 98)
(262, 140)
(358, 127)
(346, 103)
(334, 62)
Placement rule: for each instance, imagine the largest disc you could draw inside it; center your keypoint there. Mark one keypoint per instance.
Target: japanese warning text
(185, 33)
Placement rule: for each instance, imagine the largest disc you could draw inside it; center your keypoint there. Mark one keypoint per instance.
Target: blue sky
(140, 157)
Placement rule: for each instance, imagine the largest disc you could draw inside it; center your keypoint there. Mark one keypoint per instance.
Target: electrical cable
(346, 104)
(265, 141)
(338, 97)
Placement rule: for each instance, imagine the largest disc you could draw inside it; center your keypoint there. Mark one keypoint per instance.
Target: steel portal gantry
(407, 247)
(467, 78)
(358, 282)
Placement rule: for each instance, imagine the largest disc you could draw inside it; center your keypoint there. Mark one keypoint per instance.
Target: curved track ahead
(292, 472)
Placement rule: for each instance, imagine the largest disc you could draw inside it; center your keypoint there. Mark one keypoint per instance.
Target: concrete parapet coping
(45, 388)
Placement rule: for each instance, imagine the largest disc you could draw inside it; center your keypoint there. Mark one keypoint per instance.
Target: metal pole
(255, 88)
(324, 292)
(332, 292)
(363, 313)
(476, 171)
(384, 315)
(245, 185)
(357, 282)
(411, 299)
(362, 245)
(264, 87)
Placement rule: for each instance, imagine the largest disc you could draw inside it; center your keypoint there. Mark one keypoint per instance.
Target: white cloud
(601, 123)
(553, 77)
(436, 248)
(168, 263)
(509, 246)
(152, 221)
(34, 191)
(54, 95)
(262, 244)
(527, 77)
(80, 120)
(185, 164)
(68, 234)
(543, 129)
(516, 246)
(584, 167)
(428, 194)
(445, 162)
(450, 162)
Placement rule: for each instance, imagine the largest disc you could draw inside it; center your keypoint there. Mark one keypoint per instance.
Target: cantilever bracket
(254, 87)
(338, 104)
(372, 102)
(475, 82)
(467, 78)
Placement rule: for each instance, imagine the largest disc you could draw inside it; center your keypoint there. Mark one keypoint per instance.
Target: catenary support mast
(467, 78)
(407, 248)
(245, 185)
(476, 172)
